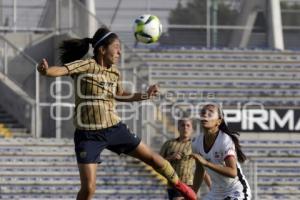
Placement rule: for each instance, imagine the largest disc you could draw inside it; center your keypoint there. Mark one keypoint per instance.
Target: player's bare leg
(87, 180)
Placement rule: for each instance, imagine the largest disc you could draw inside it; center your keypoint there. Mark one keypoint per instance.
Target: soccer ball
(147, 29)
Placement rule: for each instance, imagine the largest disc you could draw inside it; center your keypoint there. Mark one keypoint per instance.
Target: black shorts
(172, 193)
(90, 143)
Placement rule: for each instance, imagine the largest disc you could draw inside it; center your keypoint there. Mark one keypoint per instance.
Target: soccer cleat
(186, 191)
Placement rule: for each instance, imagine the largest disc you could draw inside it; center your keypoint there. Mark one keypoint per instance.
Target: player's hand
(199, 159)
(174, 156)
(43, 67)
(153, 91)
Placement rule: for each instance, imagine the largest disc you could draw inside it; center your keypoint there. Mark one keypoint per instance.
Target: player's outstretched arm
(53, 71)
(131, 97)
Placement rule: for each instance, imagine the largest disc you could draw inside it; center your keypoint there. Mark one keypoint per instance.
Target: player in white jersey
(217, 152)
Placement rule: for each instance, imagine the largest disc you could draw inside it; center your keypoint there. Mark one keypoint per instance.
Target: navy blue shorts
(172, 193)
(90, 143)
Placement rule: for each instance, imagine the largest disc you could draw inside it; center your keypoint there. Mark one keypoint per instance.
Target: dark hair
(233, 135)
(75, 49)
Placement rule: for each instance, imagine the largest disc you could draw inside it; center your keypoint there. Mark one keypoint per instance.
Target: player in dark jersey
(98, 84)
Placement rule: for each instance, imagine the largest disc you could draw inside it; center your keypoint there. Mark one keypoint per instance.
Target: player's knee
(88, 189)
(156, 160)
(149, 159)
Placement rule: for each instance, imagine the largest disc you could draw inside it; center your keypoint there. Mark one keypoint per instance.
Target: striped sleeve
(163, 149)
(78, 66)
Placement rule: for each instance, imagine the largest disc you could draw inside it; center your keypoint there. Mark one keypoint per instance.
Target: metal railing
(208, 30)
(22, 15)
(19, 74)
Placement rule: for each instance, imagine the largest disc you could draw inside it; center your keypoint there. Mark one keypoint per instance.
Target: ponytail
(234, 136)
(73, 49)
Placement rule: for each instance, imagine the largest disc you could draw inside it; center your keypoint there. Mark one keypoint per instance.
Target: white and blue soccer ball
(147, 28)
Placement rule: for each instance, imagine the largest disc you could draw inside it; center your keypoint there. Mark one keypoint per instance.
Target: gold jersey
(95, 87)
(186, 165)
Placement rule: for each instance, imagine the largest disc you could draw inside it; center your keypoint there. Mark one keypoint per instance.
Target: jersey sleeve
(163, 149)
(229, 149)
(78, 66)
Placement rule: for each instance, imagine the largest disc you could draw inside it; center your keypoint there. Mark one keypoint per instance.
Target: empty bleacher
(270, 77)
(46, 169)
(277, 167)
